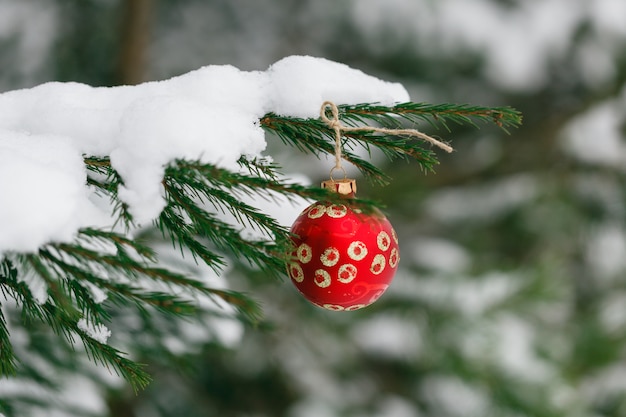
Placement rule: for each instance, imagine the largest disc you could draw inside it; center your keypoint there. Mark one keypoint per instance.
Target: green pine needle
(434, 114)
(8, 361)
(129, 272)
(313, 136)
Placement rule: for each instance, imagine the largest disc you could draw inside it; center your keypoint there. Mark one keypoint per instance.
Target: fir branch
(121, 266)
(263, 187)
(106, 180)
(66, 308)
(20, 292)
(246, 307)
(8, 365)
(260, 167)
(174, 224)
(394, 147)
(123, 262)
(65, 268)
(101, 175)
(205, 225)
(120, 292)
(210, 190)
(313, 136)
(434, 114)
(104, 354)
(190, 185)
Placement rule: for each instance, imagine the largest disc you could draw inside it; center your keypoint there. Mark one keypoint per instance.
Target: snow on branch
(211, 115)
(85, 170)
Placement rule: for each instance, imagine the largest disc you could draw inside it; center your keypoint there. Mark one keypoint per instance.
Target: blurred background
(511, 297)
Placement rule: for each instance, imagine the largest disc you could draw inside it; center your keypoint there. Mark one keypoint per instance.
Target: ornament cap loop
(346, 186)
(338, 167)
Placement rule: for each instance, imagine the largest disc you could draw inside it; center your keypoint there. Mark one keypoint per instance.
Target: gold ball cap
(346, 186)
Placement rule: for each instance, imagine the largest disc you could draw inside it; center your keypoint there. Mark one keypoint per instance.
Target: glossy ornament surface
(344, 260)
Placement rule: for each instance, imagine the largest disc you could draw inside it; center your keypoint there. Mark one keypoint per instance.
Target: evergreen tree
(120, 265)
(510, 297)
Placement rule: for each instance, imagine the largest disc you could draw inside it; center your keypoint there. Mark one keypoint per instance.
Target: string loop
(339, 128)
(338, 168)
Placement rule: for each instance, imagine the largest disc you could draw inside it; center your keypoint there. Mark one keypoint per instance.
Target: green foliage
(313, 136)
(7, 358)
(510, 298)
(128, 271)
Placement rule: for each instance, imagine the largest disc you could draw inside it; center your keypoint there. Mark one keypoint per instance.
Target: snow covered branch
(86, 172)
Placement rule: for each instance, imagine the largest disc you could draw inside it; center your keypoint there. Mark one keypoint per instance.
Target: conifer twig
(339, 128)
(129, 272)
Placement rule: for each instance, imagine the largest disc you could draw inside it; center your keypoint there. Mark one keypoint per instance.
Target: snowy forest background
(511, 298)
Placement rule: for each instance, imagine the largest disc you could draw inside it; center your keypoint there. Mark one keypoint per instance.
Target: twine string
(340, 128)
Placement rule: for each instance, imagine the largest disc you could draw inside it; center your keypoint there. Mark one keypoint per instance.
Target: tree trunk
(135, 32)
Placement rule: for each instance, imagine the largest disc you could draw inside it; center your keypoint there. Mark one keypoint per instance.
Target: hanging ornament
(344, 259)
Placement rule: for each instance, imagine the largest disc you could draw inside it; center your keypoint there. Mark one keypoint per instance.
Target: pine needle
(196, 193)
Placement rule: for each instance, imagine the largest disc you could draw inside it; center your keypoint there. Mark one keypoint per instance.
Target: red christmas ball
(344, 259)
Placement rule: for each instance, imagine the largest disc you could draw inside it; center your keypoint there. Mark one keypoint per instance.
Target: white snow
(211, 114)
(300, 91)
(451, 396)
(515, 349)
(36, 285)
(606, 382)
(42, 191)
(519, 43)
(483, 202)
(395, 406)
(96, 331)
(73, 391)
(606, 245)
(439, 254)
(594, 137)
(394, 337)
(32, 47)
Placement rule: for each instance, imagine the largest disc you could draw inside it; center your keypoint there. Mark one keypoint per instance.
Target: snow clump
(211, 114)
